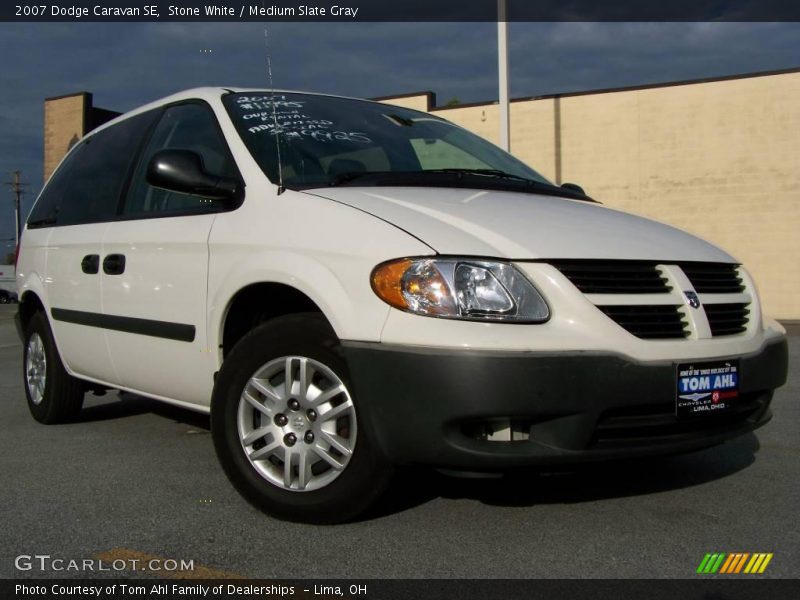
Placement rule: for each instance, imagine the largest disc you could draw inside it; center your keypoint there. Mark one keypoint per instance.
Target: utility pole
(17, 187)
(502, 74)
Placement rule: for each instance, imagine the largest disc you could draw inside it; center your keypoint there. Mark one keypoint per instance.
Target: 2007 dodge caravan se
(346, 285)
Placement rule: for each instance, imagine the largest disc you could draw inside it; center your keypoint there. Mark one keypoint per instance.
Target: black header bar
(398, 10)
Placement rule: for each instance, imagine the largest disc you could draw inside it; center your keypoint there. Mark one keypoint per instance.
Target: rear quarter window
(87, 187)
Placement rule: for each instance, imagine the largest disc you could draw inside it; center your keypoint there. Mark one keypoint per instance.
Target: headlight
(460, 289)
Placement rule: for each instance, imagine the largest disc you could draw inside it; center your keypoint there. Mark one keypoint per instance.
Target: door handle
(114, 264)
(90, 264)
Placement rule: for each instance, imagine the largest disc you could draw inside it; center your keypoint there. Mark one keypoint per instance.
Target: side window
(43, 213)
(87, 187)
(186, 127)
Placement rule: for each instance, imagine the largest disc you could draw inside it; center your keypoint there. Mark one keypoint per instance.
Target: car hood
(522, 226)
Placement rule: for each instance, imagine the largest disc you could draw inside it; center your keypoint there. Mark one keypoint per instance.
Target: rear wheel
(286, 427)
(54, 396)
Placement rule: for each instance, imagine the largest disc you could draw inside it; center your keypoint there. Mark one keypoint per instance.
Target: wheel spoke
(328, 394)
(264, 452)
(287, 470)
(337, 411)
(303, 470)
(287, 374)
(265, 389)
(336, 442)
(328, 457)
(255, 435)
(303, 377)
(259, 406)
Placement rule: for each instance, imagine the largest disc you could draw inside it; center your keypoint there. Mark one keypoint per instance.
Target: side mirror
(183, 171)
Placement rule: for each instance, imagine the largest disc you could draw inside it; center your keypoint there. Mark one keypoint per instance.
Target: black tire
(363, 478)
(62, 398)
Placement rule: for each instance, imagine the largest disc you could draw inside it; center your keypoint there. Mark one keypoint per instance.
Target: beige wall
(420, 101)
(720, 159)
(64, 124)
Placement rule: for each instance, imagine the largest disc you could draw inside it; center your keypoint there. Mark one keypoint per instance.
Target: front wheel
(286, 428)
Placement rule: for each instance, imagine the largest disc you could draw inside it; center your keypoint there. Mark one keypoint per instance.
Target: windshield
(324, 140)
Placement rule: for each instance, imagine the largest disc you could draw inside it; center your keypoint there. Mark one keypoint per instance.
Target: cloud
(128, 64)
(564, 57)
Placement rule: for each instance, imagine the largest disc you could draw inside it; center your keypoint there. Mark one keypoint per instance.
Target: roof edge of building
(610, 90)
(72, 95)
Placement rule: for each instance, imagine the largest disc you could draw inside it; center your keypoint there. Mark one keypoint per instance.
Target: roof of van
(210, 94)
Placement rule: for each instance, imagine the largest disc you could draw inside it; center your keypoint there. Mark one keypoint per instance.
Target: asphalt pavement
(135, 478)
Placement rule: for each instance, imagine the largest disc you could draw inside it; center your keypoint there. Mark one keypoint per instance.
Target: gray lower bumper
(429, 406)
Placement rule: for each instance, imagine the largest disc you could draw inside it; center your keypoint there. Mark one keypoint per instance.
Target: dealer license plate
(706, 388)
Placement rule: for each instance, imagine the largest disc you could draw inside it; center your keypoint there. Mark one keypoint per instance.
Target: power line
(18, 189)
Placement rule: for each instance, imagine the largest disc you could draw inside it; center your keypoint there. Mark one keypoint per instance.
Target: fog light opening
(499, 430)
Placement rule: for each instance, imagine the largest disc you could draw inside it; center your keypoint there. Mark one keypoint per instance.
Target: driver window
(186, 127)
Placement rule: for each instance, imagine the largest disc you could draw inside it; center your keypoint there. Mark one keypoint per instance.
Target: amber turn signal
(387, 282)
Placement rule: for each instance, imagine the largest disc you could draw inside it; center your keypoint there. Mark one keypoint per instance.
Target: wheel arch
(29, 304)
(258, 303)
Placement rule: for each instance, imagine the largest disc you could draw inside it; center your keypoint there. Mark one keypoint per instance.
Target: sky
(125, 65)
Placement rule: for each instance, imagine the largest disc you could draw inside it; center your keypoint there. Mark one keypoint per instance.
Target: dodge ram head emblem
(694, 301)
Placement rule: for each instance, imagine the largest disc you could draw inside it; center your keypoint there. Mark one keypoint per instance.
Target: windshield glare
(323, 140)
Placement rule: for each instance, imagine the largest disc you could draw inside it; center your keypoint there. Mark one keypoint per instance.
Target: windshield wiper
(569, 192)
(487, 172)
(376, 176)
(345, 177)
(351, 175)
(430, 177)
(42, 222)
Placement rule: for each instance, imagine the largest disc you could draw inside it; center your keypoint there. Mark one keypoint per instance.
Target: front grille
(659, 321)
(613, 277)
(727, 319)
(650, 321)
(714, 278)
(643, 425)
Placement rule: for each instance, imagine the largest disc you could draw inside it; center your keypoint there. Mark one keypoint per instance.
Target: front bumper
(430, 406)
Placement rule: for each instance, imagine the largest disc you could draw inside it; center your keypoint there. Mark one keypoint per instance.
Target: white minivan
(346, 286)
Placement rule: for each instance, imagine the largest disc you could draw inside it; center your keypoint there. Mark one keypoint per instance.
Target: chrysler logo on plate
(694, 301)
